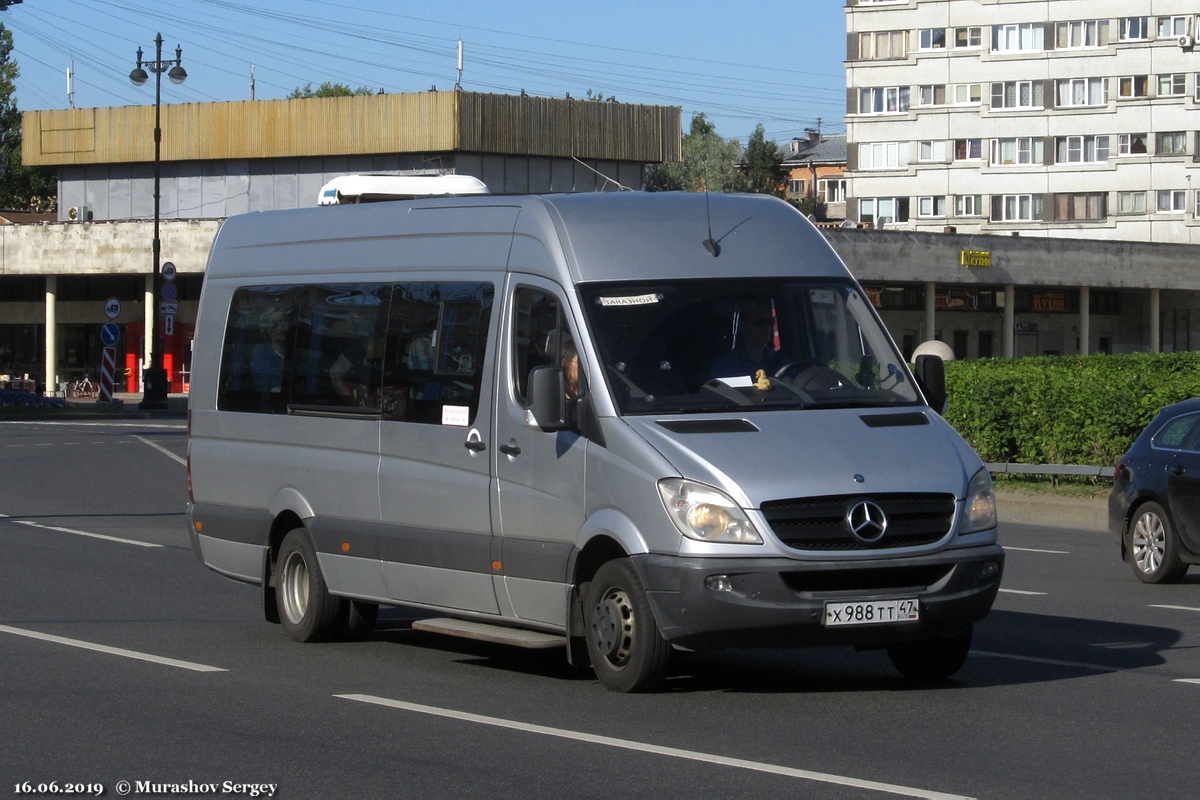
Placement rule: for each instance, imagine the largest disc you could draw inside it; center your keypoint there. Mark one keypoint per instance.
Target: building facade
(1060, 118)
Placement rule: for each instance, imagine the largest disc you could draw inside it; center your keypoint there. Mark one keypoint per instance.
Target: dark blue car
(1154, 506)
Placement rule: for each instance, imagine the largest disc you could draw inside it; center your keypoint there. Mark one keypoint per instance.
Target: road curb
(1059, 512)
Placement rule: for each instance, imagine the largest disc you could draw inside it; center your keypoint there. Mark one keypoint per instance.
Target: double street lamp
(154, 379)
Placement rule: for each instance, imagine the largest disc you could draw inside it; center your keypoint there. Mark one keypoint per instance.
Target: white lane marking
(1020, 591)
(115, 651)
(162, 449)
(1051, 661)
(1177, 608)
(32, 524)
(1034, 550)
(608, 741)
(1187, 680)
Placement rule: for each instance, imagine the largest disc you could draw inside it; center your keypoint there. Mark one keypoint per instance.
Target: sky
(778, 63)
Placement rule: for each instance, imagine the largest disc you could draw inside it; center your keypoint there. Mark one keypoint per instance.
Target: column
(1010, 321)
(148, 314)
(51, 376)
(930, 317)
(1155, 322)
(1085, 320)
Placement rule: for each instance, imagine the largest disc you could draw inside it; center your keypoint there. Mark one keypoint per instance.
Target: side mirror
(931, 375)
(548, 398)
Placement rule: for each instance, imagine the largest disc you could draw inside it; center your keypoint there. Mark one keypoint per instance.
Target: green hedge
(1064, 409)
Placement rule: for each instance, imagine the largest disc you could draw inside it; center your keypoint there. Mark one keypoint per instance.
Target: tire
(931, 659)
(1154, 547)
(307, 611)
(360, 621)
(627, 651)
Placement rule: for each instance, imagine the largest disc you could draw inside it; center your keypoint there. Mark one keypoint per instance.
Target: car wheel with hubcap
(626, 648)
(307, 611)
(1153, 548)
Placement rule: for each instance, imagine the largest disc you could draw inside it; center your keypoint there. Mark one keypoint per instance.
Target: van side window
(338, 346)
(436, 346)
(541, 337)
(258, 337)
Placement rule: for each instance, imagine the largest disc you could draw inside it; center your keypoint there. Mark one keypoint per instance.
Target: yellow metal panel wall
(425, 122)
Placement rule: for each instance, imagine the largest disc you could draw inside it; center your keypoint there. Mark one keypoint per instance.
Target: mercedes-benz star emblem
(867, 521)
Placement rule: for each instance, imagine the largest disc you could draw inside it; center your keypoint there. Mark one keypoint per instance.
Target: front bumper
(780, 602)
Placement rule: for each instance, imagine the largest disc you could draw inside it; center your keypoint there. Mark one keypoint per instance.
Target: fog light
(990, 568)
(718, 583)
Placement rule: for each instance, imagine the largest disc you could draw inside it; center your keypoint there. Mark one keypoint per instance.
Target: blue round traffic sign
(110, 334)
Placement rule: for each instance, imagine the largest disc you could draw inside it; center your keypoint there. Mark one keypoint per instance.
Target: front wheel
(626, 648)
(931, 659)
(1153, 547)
(307, 611)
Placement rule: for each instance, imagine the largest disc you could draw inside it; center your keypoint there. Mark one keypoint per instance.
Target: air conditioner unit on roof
(1187, 42)
(79, 214)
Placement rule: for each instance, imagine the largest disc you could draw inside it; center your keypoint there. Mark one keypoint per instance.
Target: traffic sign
(168, 271)
(170, 292)
(112, 308)
(110, 334)
(168, 308)
(169, 325)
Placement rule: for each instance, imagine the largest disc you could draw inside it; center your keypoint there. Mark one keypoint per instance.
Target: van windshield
(706, 346)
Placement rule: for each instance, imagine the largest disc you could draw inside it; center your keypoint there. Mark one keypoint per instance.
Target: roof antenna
(710, 244)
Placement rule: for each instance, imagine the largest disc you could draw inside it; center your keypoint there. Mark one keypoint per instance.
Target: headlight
(980, 505)
(706, 514)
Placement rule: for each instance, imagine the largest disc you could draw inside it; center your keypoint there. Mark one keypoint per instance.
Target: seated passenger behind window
(267, 358)
(754, 345)
(569, 360)
(355, 373)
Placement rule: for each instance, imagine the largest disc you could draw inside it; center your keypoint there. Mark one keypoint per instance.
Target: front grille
(890, 579)
(820, 523)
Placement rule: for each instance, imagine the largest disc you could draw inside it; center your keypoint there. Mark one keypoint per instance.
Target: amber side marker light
(198, 525)
(497, 566)
(345, 547)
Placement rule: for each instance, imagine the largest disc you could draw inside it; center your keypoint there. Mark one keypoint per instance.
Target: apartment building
(1062, 118)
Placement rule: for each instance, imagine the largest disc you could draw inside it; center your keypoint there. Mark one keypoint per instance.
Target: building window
(1087, 33)
(968, 205)
(968, 37)
(882, 155)
(1172, 143)
(882, 210)
(1172, 85)
(1134, 28)
(796, 187)
(1133, 86)
(1131, 144)
(1197, 212)
(1018, 94)
(968, 94)
(1172, 27)
(1013, 38)
(882, 45)
(934, 150)
(1131, 202)
(1198, 87)
(1171, 200)
(883, 100)
(832, 190)
(1089, 206)
(1016, 207)
(932, 38)
(1022, 150)
(1081, 92)
(931, 206)
(968, 149)
(932, 95)
(1080, 149)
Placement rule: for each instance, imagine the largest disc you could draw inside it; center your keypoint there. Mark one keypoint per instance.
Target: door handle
(475, 445)
(510, 449)
(1179, 469)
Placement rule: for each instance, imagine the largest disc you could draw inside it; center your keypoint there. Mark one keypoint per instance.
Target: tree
(327, 89)
(21, 188)
(709, 163)
(764, 165)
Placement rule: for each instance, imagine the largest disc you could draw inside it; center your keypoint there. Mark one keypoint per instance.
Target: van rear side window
(400, 351)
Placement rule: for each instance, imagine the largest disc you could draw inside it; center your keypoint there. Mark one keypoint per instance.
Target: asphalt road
(123, 659)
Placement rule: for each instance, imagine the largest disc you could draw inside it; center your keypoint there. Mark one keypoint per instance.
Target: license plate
(872, 612)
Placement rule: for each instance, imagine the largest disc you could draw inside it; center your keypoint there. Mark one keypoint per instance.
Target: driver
(754, 345)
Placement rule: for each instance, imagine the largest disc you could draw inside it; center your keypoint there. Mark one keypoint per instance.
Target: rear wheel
(626, 649)
(931, 659)
(1153, 547)
(307, 611)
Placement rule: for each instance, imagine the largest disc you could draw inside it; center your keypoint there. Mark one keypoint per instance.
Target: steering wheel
(819, 377)
(799, 364)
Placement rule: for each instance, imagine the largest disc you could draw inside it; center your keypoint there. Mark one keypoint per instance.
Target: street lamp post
(154, 379)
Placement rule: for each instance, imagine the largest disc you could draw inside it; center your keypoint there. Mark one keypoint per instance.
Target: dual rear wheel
(307, 611)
